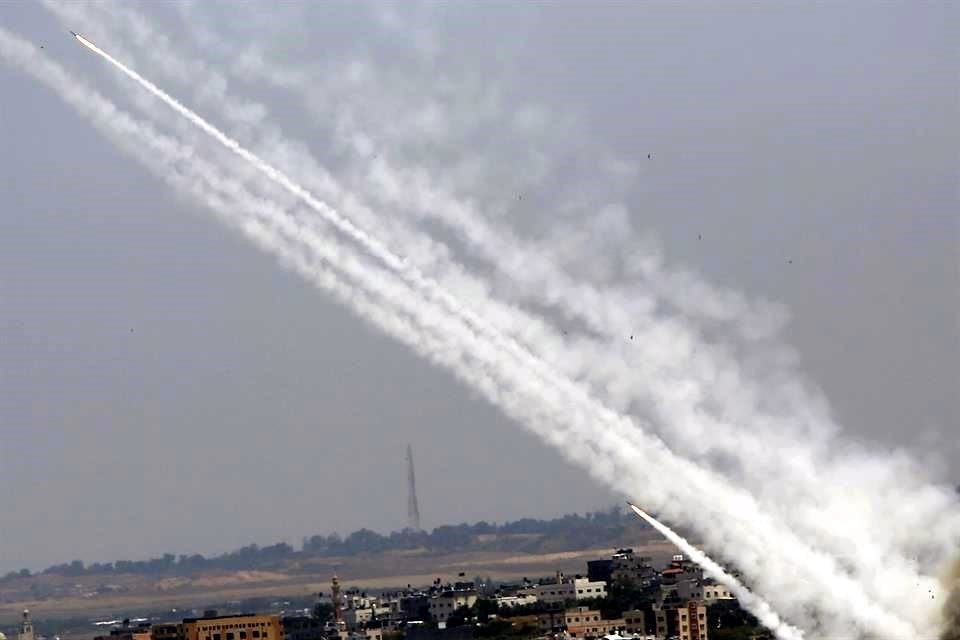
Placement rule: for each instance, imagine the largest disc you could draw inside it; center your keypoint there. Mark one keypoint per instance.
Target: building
(693, 621)
(444, 604)
(584, 622)
(551, 621)
(26, 627)
(244, 626)
(142, 631)
(301, 628)
(415, 606)
(562, 590)
(517, 600)
(587, 589)
(635, 621)
(684, 623)
(715, 592)
(600, 570)
(355, 618)
(168, 631)
(628, 569)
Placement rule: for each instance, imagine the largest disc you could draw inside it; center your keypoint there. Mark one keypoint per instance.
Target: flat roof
(235, 615)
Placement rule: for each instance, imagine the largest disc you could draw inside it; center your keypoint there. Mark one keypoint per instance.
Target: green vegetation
(727, 621)
(602, 528)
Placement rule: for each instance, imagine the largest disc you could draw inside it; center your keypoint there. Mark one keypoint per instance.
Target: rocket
(80, 37)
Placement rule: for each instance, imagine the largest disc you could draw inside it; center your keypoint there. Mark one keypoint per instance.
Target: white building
(357, 617)
(586, 589)
(576, 589)
(517, 600)
(446, 603)
(714, 592)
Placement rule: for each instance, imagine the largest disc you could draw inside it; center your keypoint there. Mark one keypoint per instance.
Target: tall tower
(26, 627)
(335, 595)
(413, 509)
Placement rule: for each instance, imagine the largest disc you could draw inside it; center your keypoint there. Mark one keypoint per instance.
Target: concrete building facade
(575, 589)
(235, 627)
(447, 602)
(583, 622)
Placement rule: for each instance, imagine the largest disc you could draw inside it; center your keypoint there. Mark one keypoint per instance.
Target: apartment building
(562, 590)
(444, 604)
(245, 626)
(583, 622)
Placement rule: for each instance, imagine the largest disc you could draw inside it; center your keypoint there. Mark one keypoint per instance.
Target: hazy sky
(164, 386)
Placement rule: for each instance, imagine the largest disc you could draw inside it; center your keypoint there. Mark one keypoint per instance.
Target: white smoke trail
(554, 436)
(767, 616)
(151, 146)
(584, 406)
(835, 518)
(836, 524)
(882, 580)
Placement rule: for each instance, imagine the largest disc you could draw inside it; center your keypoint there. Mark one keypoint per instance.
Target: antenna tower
(413, 509)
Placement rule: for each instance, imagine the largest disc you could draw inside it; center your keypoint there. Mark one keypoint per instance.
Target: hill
(364, 559)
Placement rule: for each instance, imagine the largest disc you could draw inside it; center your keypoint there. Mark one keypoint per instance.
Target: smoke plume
(951, 609)
(696, 393)
(767, 616)
(799, 541)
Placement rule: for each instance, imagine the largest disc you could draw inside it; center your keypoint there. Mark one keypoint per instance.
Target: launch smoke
(108, 116)
(703, 415)
(760, 608)
(951, 609)
(610, 442)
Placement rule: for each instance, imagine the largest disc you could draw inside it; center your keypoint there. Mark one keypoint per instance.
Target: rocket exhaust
(753, 603)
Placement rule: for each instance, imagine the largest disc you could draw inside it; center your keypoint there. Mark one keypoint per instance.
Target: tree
(484, 608)
(459, 617)
(323, 611)
(728, 621)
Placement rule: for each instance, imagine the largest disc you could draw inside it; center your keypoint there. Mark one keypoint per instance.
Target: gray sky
(165, 387)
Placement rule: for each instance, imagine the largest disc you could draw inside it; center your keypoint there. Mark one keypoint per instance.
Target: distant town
(623, 595)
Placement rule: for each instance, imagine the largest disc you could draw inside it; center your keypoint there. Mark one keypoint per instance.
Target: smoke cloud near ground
(761, 609)
(951, 609)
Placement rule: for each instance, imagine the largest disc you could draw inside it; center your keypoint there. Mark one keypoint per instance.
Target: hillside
(363, 559)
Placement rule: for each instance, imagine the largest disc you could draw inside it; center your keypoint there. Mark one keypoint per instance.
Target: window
(243, 635)
(229, 635)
